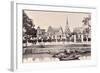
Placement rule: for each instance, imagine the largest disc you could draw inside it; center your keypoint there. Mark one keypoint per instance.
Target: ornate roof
(54, 30)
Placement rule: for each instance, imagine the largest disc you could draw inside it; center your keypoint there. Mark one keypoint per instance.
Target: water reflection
(45, 55)
(47, 59)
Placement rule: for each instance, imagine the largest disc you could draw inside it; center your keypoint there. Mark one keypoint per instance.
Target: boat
(71, 57)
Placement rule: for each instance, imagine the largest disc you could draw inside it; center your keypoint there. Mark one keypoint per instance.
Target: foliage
(28, 28)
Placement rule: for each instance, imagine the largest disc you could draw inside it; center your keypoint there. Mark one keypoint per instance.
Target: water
(47, 59)
(45, 54)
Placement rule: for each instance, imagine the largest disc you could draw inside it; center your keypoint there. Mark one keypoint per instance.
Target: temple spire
(67, 30)
(67, 21)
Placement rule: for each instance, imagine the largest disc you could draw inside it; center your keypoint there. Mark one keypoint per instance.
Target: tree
(28, 29)
(86, 22)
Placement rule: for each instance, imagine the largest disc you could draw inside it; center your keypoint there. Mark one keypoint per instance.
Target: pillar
(74, 38)
(81, 37)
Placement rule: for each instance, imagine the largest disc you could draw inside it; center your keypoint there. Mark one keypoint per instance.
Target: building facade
(79, 34)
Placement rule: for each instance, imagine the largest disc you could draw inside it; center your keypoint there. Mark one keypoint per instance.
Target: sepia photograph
(49, 35)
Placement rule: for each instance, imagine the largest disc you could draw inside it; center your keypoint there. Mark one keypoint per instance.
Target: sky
(44, 19)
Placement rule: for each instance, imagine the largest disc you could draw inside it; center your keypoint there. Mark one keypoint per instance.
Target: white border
(17, 27)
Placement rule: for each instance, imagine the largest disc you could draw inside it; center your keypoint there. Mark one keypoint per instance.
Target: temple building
(79, 34)
(40, 33)
(58, 34)
(55, 33)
